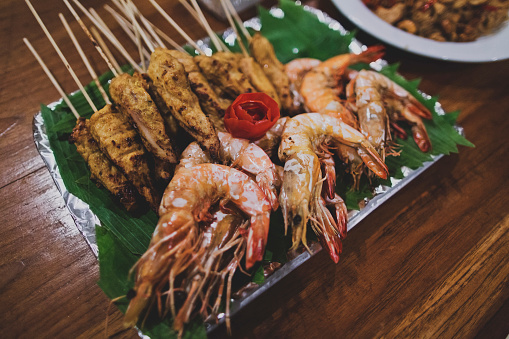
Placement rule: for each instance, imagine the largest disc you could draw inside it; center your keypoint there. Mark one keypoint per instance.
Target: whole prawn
(243, 155)
(301, 193)
(380, 103)
(185, 253)
(321, 87)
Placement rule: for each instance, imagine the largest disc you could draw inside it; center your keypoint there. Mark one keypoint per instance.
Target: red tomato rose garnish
(251, 115)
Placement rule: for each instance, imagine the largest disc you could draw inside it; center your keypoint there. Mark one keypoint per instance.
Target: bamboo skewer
(237, 18)
(109, 34)
(62, 57)
(137, 34)
(126, 27)
(106, 31)
(52, 78)
(84, 58)
(168, 39)
(106, 53)
(176, 26)
(134, 12)
(151, 31)
(94, 42)
(213, 38)
(234, 27)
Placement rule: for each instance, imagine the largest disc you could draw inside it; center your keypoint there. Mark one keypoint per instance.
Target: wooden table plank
(432, 262)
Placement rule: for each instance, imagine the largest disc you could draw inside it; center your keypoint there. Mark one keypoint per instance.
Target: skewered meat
(263, 52)
(222, 70)
(131, 95)
(120, 142)
(102, 170)
(172, 125)
(171, 82)
(258, 78)
(212, 104)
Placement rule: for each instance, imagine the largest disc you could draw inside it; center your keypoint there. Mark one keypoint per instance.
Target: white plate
(488, 48)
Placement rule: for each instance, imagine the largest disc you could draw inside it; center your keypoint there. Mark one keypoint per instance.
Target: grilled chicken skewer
(102, 170)
(212, 104)
(170, 80)
(131, 94)
(263, 52)
(120, 142)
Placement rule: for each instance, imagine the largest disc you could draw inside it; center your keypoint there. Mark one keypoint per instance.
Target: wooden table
(432, 263)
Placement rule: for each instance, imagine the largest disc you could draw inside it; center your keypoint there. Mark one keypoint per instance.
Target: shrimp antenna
(234, 27)
(176, 26)
(62, 57)
(220, 46)
(106, 31)
(94, 42)
(52, 78)
(84, 58)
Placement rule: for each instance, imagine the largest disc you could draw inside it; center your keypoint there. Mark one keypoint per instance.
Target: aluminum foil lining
(86, 221)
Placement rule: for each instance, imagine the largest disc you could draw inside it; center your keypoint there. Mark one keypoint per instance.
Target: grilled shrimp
(304, 137)
(381, 102)
(320, 88)
(183, 247)
(269, 143)
(243, 155)
(251, 159)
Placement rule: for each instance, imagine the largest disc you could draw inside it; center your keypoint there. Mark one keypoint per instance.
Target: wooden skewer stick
(238, 20)
(107, 55)
(176, 26)
(134, 11)
(169, 40)
(195, 15)
(126, 27)
(102, 26)
(85, 59)
(52, 78)
(138, 38)
(213, 36)
(94, 42)
(109, 34)
(62, 57)
(151, 31)
(148, 26)
(234, 27)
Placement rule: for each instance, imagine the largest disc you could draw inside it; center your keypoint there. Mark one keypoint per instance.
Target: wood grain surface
(432, 263)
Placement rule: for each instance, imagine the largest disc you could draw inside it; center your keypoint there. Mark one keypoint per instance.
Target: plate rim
(483, 49)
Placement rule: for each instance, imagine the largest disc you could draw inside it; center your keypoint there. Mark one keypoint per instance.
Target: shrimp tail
(257, 239)
(325, 226)
(371, 54)
(372, 159)
(341, 213)
(421, 138)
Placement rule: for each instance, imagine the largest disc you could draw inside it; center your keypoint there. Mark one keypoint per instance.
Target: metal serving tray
(85, 220)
